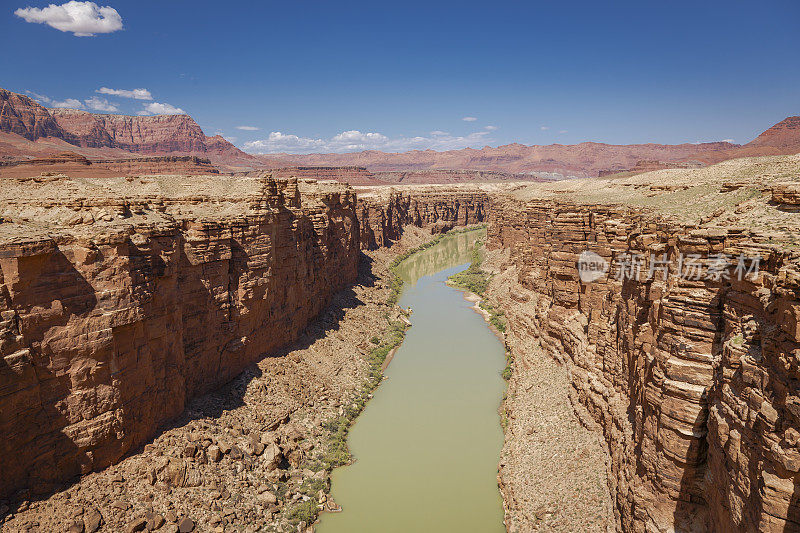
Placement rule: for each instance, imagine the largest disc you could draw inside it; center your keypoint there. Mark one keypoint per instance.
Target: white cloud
(729, 141)
(354, 140)
(469, 119)
(562, 131)
(248, 128)
(491, 128)
(157, 108)
(83, 19)
(69, 103)
(100, 104)
(138, 94)
(544, 128)
(42, 99)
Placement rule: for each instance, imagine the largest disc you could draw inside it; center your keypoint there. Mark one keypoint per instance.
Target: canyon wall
(383, 216)
(133, 303)
(122, 298)
(693, 382)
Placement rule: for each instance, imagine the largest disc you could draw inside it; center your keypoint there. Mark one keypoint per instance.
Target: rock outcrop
(24, 117)
(692, 381)
(123, 298)
(382, 216)
(784, 137)
(350, 175)
(158, 134)
(120, 301)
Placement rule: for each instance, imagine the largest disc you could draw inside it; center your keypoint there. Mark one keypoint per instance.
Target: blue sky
(340, 76)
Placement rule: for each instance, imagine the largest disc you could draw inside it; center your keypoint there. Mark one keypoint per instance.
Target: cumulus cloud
(469, 119)
(83, 19)
(100, 104)
(137, 94)
(248, 128)
(69, 103)
(157, 108)
(544, 128)
(491, 128)
(729, 141)
(355, 140)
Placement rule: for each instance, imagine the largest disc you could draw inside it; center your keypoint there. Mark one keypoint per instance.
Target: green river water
(427, 445)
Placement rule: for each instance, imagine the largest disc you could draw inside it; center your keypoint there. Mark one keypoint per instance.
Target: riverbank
(413, 469)
(552, 451)
(554, 464)
(255, 452)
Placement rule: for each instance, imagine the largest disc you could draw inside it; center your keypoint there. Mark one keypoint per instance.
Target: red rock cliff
(22, 116)
(694, 383)
(382, 217)
(129, 303)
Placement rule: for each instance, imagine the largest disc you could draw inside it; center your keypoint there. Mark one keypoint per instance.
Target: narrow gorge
(173, 348)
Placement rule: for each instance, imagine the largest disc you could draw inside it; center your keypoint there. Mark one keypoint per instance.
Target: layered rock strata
(383, 216)
(693, 382)
(79, 166)
(122, 299)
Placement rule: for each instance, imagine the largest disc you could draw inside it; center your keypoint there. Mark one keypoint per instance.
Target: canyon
(127, 300)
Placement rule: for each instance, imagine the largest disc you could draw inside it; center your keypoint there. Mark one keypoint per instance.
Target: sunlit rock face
(129, 302)
(693, 381)
(383, 216)
(122, 298)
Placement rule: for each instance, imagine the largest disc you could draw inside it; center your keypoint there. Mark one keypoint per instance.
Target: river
(427, 445)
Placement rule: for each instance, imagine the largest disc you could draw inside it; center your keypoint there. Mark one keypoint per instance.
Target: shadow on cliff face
(691, 508)
(691, 513)
(35, 449)
(79, 298)
(231, 395)
(793, 517)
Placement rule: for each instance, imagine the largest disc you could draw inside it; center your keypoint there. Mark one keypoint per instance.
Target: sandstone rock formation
(351, 175)
(121, 299)
(383, 215)
(692, 381)
(159, 134)
(77, 165)
(147, 135)
(22, 116)
(784, 137)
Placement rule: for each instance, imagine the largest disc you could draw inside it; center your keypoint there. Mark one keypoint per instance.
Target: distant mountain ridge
(27, 127)
(581, 160)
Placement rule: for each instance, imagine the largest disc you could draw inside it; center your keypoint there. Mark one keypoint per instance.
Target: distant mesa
(80, 166)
